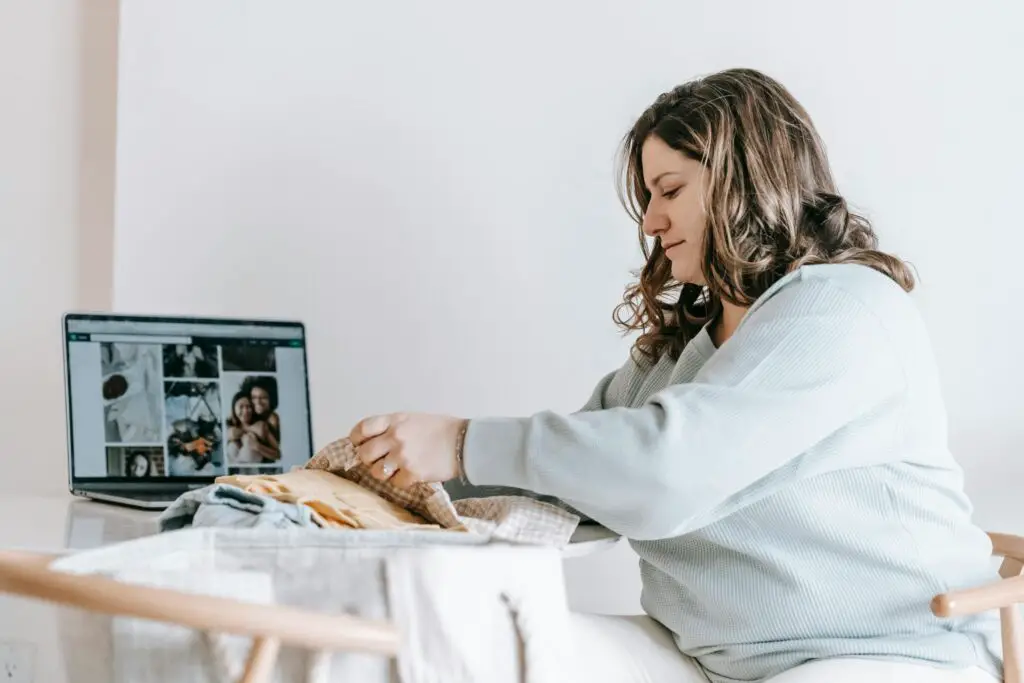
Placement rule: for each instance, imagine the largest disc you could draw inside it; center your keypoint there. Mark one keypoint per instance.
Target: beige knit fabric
(507, 518)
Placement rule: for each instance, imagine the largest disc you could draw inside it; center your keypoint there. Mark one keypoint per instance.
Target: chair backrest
(1004, 595)
(1011, 549)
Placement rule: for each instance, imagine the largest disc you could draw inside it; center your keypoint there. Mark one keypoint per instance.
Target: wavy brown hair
(771, 205)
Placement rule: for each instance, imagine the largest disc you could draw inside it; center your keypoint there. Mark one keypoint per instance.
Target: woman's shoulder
(847, 308)
(855, 278)
(846, 289)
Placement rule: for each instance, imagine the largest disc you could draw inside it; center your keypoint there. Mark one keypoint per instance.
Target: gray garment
(221, 505)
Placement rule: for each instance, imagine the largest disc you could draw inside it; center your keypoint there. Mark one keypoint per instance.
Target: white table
(66, 523)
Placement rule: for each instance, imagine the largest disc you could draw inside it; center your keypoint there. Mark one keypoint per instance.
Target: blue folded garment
(220, 505)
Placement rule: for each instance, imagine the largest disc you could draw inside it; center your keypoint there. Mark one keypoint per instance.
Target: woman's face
(243, 410)
(260, 401)
(675, 215)
(140, 466)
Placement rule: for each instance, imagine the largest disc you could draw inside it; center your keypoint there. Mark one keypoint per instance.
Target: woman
(138, 465)
(263, 394)
(238, 424)
(775, 446)
(249, 441)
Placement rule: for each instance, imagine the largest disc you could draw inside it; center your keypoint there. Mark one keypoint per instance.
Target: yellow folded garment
(336, 502)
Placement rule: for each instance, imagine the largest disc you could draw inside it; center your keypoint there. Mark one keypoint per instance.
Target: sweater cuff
(495, 452)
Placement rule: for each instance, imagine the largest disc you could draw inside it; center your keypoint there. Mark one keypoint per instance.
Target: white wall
(430, 186)
(57, 88)
(57, 116)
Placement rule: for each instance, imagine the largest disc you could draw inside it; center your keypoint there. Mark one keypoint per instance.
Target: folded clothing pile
(334, 490)
(335, 502)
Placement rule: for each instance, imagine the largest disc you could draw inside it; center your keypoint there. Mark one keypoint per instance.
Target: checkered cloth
(514, 519)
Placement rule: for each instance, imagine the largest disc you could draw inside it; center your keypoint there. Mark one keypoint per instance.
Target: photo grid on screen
(190, 410)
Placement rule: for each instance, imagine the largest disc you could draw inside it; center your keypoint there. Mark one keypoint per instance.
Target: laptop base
(142, 501)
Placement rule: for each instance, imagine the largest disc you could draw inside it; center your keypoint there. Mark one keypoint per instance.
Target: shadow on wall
(97, 136)
(59, 146)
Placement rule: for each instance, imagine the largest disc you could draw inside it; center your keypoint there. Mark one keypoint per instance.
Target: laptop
(157, 406)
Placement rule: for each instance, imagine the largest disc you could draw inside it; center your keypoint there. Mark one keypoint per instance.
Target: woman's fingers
(384, 469)
(423, 446)
(373, 450)
(369, 428)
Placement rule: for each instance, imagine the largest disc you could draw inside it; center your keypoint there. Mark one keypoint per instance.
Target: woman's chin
(687, 276)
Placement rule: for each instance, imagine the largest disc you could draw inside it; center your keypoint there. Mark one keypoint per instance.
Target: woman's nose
(654, 223)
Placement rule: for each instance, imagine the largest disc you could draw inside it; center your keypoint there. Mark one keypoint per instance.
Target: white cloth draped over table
(487, 613)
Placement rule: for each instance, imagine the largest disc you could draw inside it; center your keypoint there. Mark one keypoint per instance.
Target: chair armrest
(28, 574)
(973, 600)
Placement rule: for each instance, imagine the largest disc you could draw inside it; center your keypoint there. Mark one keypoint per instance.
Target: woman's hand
(409, 448)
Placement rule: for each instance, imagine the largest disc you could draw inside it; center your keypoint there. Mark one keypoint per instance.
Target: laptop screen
(177, 400)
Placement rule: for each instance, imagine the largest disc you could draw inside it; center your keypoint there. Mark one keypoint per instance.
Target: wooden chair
(1003, 595)
(270, 626)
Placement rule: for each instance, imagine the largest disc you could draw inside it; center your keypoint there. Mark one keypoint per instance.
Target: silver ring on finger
(387, 469)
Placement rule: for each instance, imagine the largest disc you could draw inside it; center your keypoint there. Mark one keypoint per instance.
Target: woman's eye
(669, 194)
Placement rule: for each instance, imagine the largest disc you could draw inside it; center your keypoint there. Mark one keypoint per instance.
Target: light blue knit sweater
(791, 495)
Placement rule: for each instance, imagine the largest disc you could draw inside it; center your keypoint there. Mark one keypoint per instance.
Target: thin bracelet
(460, 443)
